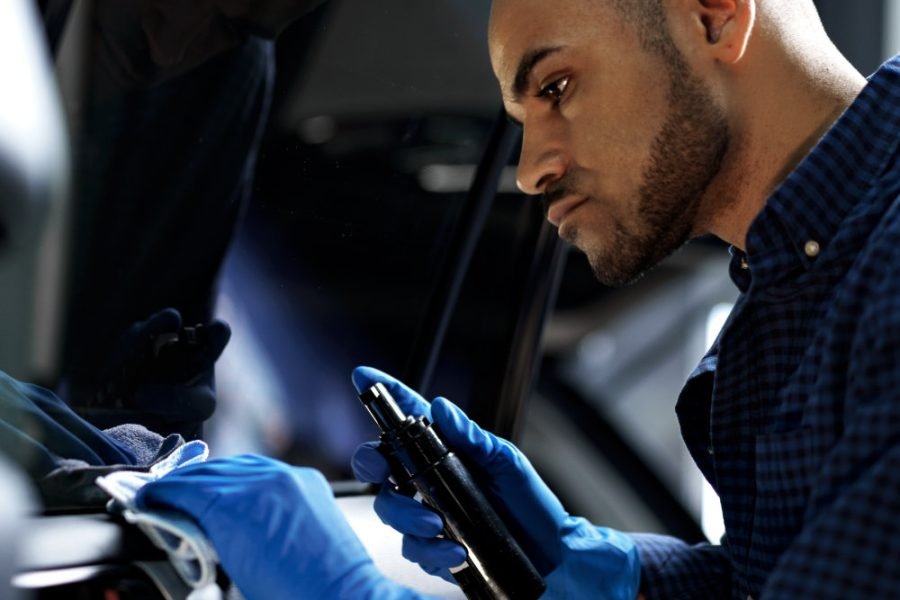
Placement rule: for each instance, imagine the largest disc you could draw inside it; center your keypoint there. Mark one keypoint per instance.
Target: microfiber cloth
(188, 549)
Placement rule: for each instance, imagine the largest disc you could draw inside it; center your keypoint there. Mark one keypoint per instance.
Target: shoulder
(882, 249)
(877, 282)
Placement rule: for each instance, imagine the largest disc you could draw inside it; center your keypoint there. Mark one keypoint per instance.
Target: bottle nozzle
(383, 408)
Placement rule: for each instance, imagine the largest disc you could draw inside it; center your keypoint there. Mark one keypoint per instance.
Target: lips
(561, 208)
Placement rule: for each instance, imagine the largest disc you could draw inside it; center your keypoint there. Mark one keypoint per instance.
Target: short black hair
(649, 19)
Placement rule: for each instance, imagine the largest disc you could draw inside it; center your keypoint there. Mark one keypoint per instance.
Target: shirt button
(744, 264)
(812, 248)
(709, 450)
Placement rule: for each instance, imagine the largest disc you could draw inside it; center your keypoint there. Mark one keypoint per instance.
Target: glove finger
(179, 493)
(406, 515)
(442, 572)
(218, 332)
(409, 400)
(462, 434)
(368, 464)
(192, 487)
(433, 554)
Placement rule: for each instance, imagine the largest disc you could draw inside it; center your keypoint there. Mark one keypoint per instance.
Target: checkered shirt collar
(810, 205)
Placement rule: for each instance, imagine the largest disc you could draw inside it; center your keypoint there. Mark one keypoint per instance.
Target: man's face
(620, 141)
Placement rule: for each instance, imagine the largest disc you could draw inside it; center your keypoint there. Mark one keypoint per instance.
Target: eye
(554, 90)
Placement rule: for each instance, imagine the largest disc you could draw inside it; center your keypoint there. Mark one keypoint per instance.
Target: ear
(728, 25)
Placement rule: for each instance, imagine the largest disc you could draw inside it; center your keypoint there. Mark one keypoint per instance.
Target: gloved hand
(165, 369)
(576, 558)
(276, 529)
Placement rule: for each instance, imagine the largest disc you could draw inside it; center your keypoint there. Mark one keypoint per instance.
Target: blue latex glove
(276, 529)
(576, 558)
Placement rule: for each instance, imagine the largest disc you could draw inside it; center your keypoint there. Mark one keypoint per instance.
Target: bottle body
(495, 567)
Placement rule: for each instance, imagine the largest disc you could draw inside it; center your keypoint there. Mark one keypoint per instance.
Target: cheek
(613, 129)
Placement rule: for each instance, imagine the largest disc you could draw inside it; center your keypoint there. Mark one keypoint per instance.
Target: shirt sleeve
(850, 537)
(674, 570)
(37, 430)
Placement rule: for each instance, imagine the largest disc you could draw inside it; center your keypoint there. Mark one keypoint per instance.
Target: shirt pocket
(785, 466)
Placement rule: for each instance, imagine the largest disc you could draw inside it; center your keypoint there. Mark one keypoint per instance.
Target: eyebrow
(529, 61)
(527, 64)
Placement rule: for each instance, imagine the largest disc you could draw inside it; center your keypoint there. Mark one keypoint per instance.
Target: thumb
(369, 465)
(219, 332)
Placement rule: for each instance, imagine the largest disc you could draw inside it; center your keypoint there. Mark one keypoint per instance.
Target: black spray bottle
(496, 567)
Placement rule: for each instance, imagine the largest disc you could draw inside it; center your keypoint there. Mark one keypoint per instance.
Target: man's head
(621, 137)
(627, 117)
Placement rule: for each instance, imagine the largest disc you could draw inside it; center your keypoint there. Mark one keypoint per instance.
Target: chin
(621, 264)
(615, 277)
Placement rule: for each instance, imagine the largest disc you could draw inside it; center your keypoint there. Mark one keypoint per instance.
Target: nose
(543, 159)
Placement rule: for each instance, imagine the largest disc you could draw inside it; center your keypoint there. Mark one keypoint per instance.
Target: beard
(685, 157)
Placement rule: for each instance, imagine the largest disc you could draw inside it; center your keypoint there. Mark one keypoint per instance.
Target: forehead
(518, 27)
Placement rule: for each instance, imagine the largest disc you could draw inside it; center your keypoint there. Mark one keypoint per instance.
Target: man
(647, 123)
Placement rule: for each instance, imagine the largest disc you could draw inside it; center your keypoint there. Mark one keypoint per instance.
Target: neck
(782, 103)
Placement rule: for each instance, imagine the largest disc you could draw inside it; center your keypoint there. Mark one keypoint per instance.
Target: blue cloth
(794, 415)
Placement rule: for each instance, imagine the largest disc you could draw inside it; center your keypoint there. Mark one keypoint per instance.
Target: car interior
(341, 195)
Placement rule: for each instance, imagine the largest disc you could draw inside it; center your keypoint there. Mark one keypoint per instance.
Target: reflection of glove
(576, 558)
(166, 369)
(276, 529)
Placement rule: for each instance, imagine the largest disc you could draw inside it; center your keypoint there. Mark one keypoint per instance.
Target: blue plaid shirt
(794, 414)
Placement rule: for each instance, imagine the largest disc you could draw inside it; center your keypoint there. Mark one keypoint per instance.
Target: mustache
(556, 191)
